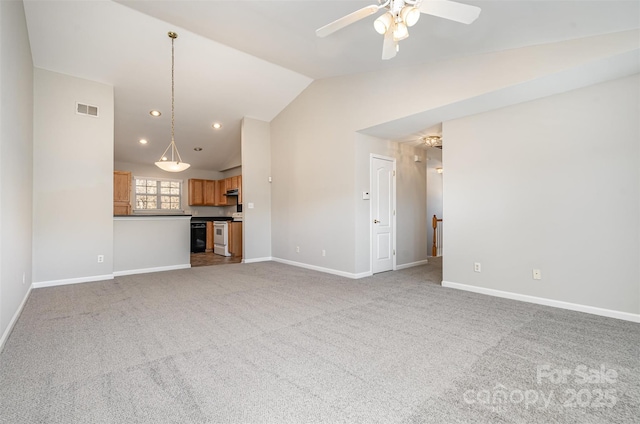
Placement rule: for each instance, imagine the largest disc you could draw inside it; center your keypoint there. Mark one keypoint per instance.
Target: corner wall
(72, 179)
(16, 163)
(256, 189)
(551, 184)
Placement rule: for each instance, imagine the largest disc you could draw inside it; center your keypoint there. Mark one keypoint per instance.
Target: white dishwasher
(221, 238)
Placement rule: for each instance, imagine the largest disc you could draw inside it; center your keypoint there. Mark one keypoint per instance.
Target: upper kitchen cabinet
(214, 193)
(121, 193)
(221, 196)
(202, 192)
(210, 189)
(196, 192)
(235, 183)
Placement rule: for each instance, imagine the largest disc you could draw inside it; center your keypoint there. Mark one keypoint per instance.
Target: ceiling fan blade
(451, 10)
(347, 20)
(389, 45)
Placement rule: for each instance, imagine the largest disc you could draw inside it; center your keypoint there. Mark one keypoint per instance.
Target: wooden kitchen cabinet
(221, 196)
(209, 241)
(196, 192)
(214, 193)
(210, 188)
(202, 192)
(234, 183)
(121, 193)
(235, 238)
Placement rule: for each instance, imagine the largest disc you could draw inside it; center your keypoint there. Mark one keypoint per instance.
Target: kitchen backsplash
(211, 210)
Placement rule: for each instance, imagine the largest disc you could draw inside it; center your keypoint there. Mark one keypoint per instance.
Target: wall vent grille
(84, 109)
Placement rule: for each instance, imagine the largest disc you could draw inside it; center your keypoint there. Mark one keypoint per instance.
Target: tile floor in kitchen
(210, 258)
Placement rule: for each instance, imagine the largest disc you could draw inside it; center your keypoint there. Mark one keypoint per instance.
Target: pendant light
(175, 164)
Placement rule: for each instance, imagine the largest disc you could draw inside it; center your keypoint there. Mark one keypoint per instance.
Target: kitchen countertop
(147, 215)
(198, 219)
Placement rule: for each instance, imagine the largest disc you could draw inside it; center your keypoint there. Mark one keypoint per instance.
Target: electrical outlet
(537, 274)
(477, 267)
(324, 252)
(297, 249)
(100, 259)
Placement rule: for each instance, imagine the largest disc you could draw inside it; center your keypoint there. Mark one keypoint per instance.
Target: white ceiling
(238, 58)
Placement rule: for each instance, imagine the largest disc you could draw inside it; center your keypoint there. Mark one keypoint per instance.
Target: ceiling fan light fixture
(410, 15)
(400, 31)
(383, 23)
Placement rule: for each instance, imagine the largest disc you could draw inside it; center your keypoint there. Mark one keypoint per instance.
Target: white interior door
(382, 213)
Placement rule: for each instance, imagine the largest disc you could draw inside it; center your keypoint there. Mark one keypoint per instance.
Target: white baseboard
(412, 264)
(250, 261)
(79, 280)
(14, 319)
(626, 316)
(322, 269)
(148, 270)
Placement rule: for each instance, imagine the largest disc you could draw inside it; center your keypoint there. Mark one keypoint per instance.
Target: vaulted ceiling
(251, 58)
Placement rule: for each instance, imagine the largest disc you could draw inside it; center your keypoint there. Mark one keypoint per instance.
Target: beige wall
(72, 179)
(16, 163)
(552, 184)
(256, 163)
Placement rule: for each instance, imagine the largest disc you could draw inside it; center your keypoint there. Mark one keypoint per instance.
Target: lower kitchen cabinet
(235, 238)
(209, 240)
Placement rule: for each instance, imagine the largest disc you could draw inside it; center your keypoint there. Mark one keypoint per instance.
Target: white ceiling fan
(401, 14)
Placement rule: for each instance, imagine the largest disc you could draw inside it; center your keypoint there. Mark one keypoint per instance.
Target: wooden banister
(434, 223)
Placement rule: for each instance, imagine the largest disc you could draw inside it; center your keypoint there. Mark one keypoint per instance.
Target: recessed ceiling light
(155, 113)
(197, 149)
(143, 141)
(217, 126)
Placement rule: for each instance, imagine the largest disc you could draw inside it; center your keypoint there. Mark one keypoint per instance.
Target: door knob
(375, 221)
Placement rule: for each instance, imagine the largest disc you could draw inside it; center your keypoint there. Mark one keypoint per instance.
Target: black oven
(198, 237)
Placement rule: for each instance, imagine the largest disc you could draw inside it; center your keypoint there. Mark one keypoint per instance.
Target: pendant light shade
(175, 164)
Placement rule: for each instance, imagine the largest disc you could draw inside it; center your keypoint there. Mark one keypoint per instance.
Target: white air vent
(82, 109)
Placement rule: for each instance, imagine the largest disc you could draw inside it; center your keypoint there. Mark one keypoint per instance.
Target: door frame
(373, 156)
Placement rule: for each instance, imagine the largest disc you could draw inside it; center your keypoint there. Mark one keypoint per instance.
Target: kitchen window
(157, 194)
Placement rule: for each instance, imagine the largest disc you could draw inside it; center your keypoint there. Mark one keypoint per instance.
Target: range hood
(232, 192)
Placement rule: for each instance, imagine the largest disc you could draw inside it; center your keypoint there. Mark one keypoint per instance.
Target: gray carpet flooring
(271, 343)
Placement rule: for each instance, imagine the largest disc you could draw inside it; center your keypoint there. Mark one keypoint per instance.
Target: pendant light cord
(172, 91)
(174, 149)
(176, 164)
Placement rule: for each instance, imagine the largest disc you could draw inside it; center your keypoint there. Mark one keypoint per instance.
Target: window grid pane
(152, 194)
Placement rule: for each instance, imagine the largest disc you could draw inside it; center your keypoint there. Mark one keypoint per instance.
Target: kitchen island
(150, 243)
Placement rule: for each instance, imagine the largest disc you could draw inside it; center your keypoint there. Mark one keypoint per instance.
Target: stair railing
(436, 248)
